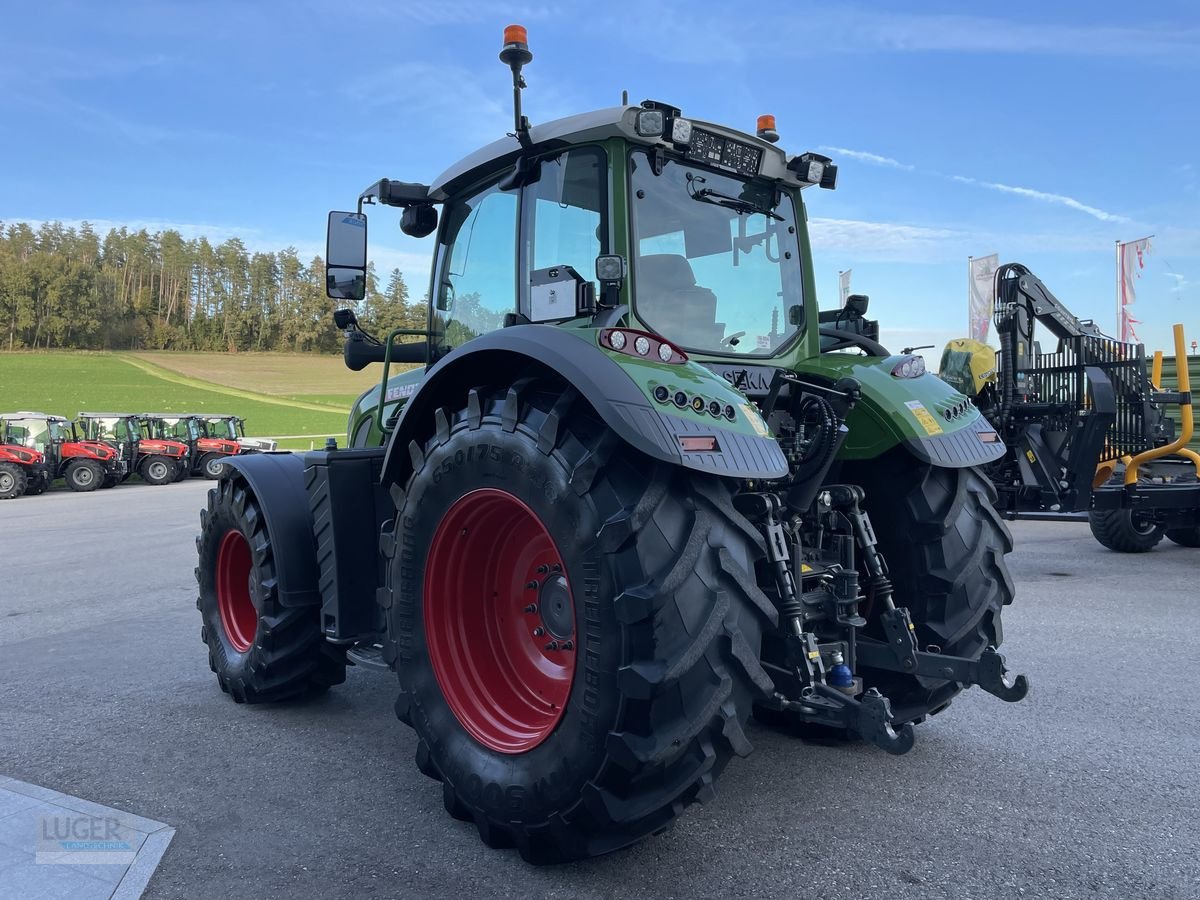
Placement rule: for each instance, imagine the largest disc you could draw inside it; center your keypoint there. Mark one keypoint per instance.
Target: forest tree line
(71, 288)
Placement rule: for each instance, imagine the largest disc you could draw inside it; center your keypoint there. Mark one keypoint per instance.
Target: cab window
(478, 272)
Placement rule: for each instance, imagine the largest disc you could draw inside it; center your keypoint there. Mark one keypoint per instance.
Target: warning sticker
(756, 421)
(924, 416)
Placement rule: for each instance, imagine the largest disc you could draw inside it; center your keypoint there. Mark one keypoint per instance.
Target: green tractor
(609, 518)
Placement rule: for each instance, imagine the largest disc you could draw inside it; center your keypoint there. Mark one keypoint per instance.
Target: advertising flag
(981, 297)
(843, 287)
(1131, 259)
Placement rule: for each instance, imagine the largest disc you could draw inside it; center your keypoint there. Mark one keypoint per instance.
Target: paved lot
(1087, 789)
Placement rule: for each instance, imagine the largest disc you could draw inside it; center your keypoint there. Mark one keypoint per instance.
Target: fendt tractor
(22, 471)
(1083, 419)
(156, 461)
(207, 453)
(233, 428)
(85, 465)
(609, 518)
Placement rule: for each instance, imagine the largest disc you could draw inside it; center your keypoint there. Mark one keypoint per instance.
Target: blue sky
(1043, 132)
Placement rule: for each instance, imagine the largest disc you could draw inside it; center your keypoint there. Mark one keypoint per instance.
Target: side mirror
(346, 256)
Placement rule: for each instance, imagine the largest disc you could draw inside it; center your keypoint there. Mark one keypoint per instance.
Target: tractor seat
(669, 299)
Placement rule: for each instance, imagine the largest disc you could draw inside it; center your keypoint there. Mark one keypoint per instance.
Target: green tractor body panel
(899, 411)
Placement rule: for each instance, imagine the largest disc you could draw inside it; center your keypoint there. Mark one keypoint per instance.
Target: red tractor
(22, 471)
(207, 453)
(85, 465)
(157, 461)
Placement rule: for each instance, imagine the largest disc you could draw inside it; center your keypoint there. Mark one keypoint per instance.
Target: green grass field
(303, 397)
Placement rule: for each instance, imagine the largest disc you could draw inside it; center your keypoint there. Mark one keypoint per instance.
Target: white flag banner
(981, 297)
(1131, 259)
(843, 287)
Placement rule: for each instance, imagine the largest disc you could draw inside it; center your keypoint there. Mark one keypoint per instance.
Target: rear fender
(618, 387)
(277, 481)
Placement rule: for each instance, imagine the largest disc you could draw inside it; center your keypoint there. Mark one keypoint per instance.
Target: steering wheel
(843, 339)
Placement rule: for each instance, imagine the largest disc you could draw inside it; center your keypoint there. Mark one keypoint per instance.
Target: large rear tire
(1123, 531)
(84, 475)
(12, 481)
(260, 650)
(944, 544)
(526, 523)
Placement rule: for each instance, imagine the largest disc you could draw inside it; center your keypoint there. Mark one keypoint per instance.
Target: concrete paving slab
(55, 845)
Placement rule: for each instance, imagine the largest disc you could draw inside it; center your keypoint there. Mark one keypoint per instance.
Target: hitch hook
(992, 676)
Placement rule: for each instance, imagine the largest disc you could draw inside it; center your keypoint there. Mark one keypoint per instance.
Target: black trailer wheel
(12, 481)
(157, 470)
(1184, 537)
(212, 465)
(1124, 531)
(260, 650)
(575, 628)
(37, 483)
(944, 544)
(84, 475)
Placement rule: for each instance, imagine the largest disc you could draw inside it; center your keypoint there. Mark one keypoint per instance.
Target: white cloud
(1044, 196)
(884, 241)
(872, 158)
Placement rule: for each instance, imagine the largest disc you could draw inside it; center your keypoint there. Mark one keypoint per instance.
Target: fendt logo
(753, 381)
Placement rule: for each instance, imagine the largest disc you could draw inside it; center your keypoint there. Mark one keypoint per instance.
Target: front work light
(611, 267)
(650, 122)
(815, 169)
(681, 131)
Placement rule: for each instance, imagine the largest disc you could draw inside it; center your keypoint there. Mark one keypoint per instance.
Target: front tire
(13, 481)
(158, 470)
(260, 650)
(525, 514)
(84, 475)
(1122, 531)
(212, 465)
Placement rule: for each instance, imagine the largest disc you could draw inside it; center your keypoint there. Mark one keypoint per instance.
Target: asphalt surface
(1089, 788)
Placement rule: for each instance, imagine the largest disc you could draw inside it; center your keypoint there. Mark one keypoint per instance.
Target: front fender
(920, 414)
(620, 388)
(277, 480)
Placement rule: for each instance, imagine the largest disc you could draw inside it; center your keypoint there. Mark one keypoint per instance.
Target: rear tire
(157, 470)
(658, 568)
(1120, 530)
(13, 481)
(84, 475)
(212, 465)
(260, 650)
(1184, 537)
(944, 544)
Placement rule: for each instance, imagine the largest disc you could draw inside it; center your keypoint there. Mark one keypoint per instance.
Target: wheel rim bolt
(531, 608)
(568, 645)
(539, 631)
(543, 569)
(532, 586)
(553, 645)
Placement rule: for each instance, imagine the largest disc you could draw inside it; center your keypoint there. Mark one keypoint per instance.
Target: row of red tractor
(100, 450)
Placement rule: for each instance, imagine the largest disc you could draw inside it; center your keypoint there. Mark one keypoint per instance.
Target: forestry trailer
(627, 500)
(85, 465)
(1083, 421)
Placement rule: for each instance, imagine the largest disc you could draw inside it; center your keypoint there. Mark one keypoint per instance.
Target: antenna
(624, 98)
(515, 53)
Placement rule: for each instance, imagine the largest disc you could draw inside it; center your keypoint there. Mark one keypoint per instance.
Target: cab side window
(478, 273)
(568, 211)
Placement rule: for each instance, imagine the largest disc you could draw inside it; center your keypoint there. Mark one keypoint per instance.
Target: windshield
(105, 428)
(220, 428)
(62, 431)
(716, 261)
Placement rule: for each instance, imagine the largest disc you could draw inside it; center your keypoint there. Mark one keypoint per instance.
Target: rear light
(909, 367)
(641, 344)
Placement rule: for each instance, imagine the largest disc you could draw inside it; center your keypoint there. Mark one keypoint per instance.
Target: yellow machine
(968, 366)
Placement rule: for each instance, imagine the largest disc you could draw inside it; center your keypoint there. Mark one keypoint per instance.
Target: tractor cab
(233, 428)
(118, 430)
(158, 461)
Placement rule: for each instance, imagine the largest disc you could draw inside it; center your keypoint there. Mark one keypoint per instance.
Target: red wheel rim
(239, 618)
(499, 621)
